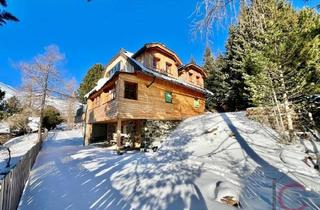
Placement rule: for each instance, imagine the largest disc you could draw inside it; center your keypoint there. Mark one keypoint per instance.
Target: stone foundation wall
(131, 129)
(157, 130)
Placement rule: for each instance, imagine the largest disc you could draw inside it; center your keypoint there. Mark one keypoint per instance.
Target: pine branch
(5, 17)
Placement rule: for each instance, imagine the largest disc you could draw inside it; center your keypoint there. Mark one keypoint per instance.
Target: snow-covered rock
(33, 123)
(4, 128)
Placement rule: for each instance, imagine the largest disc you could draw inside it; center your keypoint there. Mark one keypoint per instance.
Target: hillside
(58, 103)
(10, 91)
(207, 159)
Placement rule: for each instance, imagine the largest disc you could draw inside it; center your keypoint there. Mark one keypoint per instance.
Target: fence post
(274, 194)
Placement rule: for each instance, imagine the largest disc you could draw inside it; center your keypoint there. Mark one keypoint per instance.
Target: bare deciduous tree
(211, 12)
(42, 76)
(72, 101)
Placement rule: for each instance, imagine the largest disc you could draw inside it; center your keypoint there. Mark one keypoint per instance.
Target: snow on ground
(18, 146)
(10, 91)
(204, 160)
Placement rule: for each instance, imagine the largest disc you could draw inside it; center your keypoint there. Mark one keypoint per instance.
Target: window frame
(196, 103)
(171, 97)
(136, 90)
(168, 67)
(155, 62)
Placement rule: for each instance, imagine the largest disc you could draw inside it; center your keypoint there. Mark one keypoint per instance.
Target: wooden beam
(88, 134)
(119, 134)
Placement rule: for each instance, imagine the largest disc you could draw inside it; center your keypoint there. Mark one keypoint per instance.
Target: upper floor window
(198, 80)
(168, 67)
(131, 90)
(155, 62)
(114, 69)
(190, 77)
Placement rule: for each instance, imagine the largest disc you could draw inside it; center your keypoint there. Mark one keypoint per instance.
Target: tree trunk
(43, 102)
(279, 111)
(287, 108)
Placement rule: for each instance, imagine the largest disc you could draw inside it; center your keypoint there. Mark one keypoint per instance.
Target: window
(114, 69)
(190, 77)
(98, 101)
(198, 80)
(168, 97)
(131, 90)
(155, 62)
(112, 94)
(196, 103)
(168, 67)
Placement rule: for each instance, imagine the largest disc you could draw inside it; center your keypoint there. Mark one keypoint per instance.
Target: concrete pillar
(87, 134)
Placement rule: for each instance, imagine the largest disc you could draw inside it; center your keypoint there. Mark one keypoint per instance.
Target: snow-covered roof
(99, 85)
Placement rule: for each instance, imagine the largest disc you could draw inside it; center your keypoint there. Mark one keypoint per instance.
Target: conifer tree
(216, 81)
(90, 81)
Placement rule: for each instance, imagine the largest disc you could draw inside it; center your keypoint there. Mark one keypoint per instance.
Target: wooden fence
(12, 184)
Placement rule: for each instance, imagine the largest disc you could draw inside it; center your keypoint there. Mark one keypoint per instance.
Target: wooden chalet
(151, 84)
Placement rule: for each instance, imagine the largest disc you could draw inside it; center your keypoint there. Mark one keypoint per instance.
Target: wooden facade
(134, 93)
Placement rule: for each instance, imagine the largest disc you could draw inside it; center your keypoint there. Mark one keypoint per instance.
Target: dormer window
(155, 62)
(190, 77)
(198, 80)
(114, 69)
(168, 67)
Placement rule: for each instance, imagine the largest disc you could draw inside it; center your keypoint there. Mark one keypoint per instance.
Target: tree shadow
(258, 186)
(69, 176)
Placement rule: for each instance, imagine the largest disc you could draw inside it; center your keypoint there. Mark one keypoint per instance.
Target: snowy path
(192, 170)
(59, 182)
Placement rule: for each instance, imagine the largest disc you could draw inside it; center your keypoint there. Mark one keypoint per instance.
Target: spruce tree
(286, 62)
(90, 81)
(216, 81)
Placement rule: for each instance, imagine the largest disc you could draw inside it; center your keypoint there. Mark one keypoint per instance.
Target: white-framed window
(114, 69)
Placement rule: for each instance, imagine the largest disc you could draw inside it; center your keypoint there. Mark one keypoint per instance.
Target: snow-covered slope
(241, 158)
(207, 159)
(58, 103)
(10, 91)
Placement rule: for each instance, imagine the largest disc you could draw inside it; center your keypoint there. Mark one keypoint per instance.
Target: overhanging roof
(161, 48)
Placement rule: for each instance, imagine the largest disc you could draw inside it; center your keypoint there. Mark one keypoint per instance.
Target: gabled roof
(167, 78)
(194, 66)
(160, 47)
(140, 67)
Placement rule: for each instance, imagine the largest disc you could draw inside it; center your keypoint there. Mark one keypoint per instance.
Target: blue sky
(89, 33)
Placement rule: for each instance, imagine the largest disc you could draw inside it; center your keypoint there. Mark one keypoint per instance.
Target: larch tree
(44, 72)
(71, 98)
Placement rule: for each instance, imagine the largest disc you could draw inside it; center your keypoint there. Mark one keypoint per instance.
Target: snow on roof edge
(167, 77)
(143, 68)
